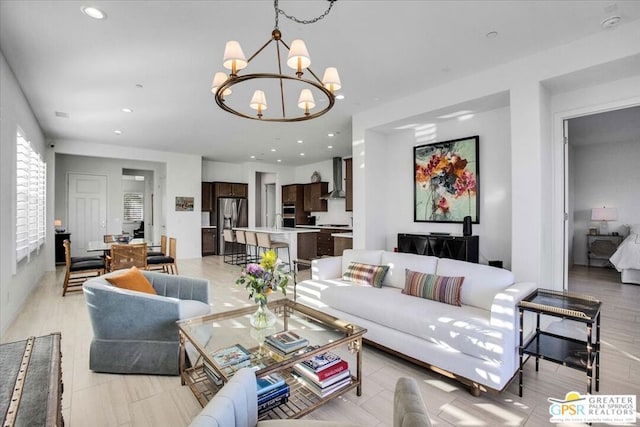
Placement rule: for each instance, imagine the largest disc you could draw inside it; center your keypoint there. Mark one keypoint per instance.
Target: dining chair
(242, 247)
(265, 243)
(252, 246)
(127, 256)
(163, 248)
(79, 269)
(165, 262)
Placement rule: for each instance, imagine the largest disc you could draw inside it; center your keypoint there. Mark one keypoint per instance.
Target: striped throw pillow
(365, 274)
(438, 288)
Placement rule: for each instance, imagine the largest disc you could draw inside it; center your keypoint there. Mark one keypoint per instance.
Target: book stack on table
(272, 391)
(323, 374)
(229, 358)
(285, 343)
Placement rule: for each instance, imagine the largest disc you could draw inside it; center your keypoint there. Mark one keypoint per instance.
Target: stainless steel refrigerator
(231, 213)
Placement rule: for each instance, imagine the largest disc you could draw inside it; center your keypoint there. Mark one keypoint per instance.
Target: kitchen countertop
(343, 235)
(330, 227)
(280, 230)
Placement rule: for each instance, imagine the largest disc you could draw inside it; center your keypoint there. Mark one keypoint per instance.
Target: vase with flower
(260, 280)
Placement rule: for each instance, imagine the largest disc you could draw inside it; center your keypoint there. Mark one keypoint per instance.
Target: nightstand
(601, 247)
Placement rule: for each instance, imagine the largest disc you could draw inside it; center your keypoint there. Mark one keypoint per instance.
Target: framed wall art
(184, 203)
(446, 181)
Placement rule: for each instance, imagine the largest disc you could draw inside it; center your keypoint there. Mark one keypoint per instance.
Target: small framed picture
(184, 203)
(593, 231)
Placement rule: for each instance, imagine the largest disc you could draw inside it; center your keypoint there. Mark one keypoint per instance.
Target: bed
(626, 259)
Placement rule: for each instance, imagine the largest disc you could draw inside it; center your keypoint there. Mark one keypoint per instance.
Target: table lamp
(57, 223)
(603, 215)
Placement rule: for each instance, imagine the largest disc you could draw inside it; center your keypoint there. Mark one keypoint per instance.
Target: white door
(270, 214)
(87, 207)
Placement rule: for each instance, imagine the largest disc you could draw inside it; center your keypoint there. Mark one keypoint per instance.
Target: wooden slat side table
(557, 348)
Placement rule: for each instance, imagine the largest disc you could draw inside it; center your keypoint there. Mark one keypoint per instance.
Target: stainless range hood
(337, 192)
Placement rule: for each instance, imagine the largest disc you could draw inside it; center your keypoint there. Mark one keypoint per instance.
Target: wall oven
(289, 222)
(288, 210)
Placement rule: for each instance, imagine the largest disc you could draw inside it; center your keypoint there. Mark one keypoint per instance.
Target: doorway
(600, 149)
(87, 210)
(270, 202)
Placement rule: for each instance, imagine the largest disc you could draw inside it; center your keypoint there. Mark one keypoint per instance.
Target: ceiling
(68, 63)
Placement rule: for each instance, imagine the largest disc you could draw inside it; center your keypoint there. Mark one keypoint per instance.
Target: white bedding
(628, 253)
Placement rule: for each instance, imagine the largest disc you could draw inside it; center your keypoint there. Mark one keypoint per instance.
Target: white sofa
(476, 343)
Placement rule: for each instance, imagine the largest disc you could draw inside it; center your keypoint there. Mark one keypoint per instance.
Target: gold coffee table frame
(232, 327)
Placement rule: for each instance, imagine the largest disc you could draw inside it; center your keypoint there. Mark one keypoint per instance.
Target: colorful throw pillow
(133, 280)
(438, 288)
(365, 274)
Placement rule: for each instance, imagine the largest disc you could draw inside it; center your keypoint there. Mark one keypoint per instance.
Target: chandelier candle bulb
(218, 80)
(234, 58)
(258, 102)
(298, 57)
(306, 101)
(331, 79)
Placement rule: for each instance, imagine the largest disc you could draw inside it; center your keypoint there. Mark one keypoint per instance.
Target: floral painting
(446, 181)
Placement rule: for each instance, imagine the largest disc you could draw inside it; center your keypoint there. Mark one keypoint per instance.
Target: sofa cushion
(438, 288)
(372, 257)
(399, 261)
(481, 282)
(464, 329)
(133, 280)
(365, 274)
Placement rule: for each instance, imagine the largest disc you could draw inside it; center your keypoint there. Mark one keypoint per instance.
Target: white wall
(181, 176)
(605, 175)
(17, 282)
(534, 180)
(494, 183)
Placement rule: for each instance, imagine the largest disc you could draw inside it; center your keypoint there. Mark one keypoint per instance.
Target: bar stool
(265, 243)
(230, 250)
(241, 241)
(252, 246)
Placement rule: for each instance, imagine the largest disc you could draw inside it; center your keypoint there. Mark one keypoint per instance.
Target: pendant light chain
(301, 21)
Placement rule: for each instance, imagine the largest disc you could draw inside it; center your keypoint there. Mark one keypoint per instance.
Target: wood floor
(92, 399)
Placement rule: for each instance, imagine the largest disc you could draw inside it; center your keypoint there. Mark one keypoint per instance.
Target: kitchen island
(302, 241)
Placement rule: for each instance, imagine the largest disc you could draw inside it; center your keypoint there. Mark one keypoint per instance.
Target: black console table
(463, 248)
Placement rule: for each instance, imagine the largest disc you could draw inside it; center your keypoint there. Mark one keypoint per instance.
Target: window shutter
(133, 203)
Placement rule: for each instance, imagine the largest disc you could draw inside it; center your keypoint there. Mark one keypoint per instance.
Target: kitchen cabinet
(230, 189)
(209, 241)
(312, 197)
(307, 246)
(207, 197)
(289, 193)
(326, 243)
(348, 185)
(293, 197)
(340, 244)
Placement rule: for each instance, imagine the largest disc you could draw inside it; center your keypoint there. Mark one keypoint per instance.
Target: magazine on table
(269, 382)
(231, 356)
(283, 389)
(325, 383)
(322, 374)
(321, 361)
(286, 341)
(326, 391)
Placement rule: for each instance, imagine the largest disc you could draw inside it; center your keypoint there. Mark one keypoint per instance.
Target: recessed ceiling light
(330, 135)
(117, 132)
(253, 157)
(610, 22)
(330, 146)
(93, 12)
(273, 150)
(491, 34)
(299, 141)
(279, 161)
(127, 110)
(302, 154)
(341, 96)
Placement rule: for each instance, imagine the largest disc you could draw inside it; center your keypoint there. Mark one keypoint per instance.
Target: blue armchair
(136, 332)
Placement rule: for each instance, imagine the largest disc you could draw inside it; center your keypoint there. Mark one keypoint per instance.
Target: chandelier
(276, 84)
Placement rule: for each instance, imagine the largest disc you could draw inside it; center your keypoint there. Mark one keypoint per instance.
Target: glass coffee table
(207, 335)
